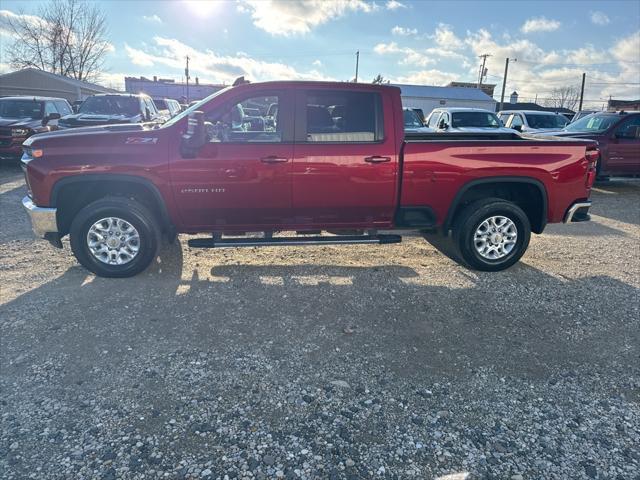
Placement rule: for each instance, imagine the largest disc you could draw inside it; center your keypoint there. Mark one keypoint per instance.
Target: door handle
(377, 159)
(274, 159)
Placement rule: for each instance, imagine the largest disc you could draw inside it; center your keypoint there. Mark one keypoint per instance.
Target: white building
(31, 81)
(427, 98)
(169, 88)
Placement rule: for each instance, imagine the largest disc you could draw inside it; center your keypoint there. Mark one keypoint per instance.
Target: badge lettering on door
(141, 140)
(202, 190)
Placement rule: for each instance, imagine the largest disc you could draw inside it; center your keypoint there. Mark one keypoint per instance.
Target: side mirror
(195, 135)
(443, 125)
(517, 127)
(49, 118)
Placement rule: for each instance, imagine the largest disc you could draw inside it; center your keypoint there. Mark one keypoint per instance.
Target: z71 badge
(141, 140)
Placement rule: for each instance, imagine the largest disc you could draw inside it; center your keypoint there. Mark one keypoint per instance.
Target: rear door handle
(274, 159)
(377, 159)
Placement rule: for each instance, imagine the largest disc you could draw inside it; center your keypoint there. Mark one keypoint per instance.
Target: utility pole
(504, 82)
(186, 74)
(357, 62)
(584, 75)
(484, 61)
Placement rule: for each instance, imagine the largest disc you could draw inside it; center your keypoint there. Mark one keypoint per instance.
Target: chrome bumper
(579, 212)
(43, 220)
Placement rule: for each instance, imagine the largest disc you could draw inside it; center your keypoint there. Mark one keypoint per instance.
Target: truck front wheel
(491, 234)
(115, 237)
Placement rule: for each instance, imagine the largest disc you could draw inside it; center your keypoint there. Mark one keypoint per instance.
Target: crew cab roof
(29, 97)
(536, 112)
(317, 84)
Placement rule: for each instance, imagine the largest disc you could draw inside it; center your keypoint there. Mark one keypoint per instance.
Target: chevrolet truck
(327, 163)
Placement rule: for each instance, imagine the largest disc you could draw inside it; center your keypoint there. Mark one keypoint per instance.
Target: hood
(84, 131)
(481, 129)
(88, 119)
(564, 133)
(20, 122)
(419, 130)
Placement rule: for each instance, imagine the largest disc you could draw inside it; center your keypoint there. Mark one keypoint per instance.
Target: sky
(418, 42)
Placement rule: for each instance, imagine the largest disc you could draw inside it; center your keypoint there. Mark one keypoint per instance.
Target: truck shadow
(521, 322)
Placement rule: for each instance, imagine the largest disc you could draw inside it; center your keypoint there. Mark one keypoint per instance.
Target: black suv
(113, 108)
(21, 117)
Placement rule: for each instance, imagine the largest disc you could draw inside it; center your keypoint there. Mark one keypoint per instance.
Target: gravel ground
(325, 362)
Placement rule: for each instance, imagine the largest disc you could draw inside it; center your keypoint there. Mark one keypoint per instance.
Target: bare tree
(564, 97)
(67, 37)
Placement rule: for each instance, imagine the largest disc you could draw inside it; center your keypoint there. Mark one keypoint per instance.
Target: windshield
(541, 120)
(474, 119)
(411, 119)
(193, 108)
(115, 105)
(20, 109)
(593, 123)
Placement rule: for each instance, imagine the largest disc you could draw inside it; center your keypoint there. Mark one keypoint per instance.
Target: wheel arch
(70, 194)
(508, 188)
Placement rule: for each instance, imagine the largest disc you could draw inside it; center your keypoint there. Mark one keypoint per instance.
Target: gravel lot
(325, 362)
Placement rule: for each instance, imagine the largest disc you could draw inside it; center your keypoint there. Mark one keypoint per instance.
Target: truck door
(345, 160)
(241, 178)
(624, 147)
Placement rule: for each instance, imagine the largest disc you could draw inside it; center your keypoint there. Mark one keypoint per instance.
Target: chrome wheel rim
(113, 241)
(495, 237)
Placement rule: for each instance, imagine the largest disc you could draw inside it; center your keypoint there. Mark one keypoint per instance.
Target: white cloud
(284, 17)
(540, 24)
(210, 66)
(152, 18)
(599, 18)
(538, 71)
(427, 77)
(7, 17)
(394, 5)
(445, 38)
(409, 56)
(403, 32)
(317, 63)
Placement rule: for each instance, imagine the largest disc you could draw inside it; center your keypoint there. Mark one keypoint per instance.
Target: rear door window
(334, 116)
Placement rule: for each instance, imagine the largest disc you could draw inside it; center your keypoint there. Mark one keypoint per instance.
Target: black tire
(132, 212)
(470, 219)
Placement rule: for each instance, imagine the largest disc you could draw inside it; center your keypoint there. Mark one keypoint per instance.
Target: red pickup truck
(303, 157)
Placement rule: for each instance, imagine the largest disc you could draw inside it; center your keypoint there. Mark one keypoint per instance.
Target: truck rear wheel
(491, 234)
(115, 237)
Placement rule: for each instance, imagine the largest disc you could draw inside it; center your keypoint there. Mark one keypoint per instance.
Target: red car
(21, 117)
(618, 137)
(331, 157)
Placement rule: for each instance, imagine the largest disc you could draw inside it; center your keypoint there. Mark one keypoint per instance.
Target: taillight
(592, 156)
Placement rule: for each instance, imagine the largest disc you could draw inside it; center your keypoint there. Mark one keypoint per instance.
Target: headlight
(19, 132)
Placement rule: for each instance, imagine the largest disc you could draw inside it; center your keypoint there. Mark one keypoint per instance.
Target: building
(626, 105)
(34, 82)
(513, 104)
(169, 88)
(427, 98)
(486, 88)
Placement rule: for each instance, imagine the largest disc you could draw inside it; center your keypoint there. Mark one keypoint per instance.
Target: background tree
(379, 80)
(67, 37)
(564, 97)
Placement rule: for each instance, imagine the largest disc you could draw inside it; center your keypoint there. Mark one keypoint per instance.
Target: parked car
(618, 137)
(21, 117)
(413, 123)
(582, 113)
(532, 120)
(167, 107)
(112, 108)
(465, 120)
(343, 166)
